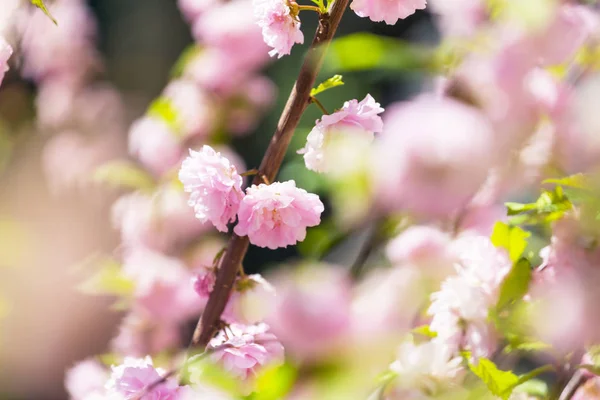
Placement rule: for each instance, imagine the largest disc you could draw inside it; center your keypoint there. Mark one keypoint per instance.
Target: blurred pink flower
(278, 214)
(353, 118)
(252, 300)
(5, 53)
(84, 378)
(389, 11)
(280, 25)
(459, 18)
(214, 185)
(243, 350)
(420, 245)
(162, 286)
(204, 282)
(433, 156)
(69, 159)
(245, 108)
(192, 9)
(162, 222)
(194, 110)
(460, 309)
(155, 144)
(67, 49)
(426, 365)
(135, 374)
(590, 390)
(141, 335)
(311, 312)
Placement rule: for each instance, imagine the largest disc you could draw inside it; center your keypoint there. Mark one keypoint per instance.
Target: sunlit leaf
(274, 383)
(515, 284)
(579, 181)
(366, 51)
(533, 387)
(330, 83)
(40, 4)
(424, 330)
(163, 109)
(123, 174)
(109, 279)
(500, 383)
(511, 238)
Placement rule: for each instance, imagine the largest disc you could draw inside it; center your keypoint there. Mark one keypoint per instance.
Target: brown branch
(297, 102)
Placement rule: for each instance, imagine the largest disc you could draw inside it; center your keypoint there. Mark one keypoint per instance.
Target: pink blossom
(460, 18)
(280, 25)
(162, 221)
(5, 53)
(135, 374)
(460, 309)
(425, 365)
(389, 11)
(278, 214)
(140, 335)
(243, 350)
(193, 109)
(162, 286)
(67, 49)
(214, 184)
(231, 28)
(590, 390)
(252, 300)
(192, 9)
(353, 118)
(204, 282)
(155, 144)
(311, 312)
(84, 378)
(424, 162)
(424, 246)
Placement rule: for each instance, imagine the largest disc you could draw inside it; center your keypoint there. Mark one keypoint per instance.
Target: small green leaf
(108, 280)
(123, 174)
(512, 238)
(515, 284)
(275, 383)
(518, 208)
(533, 387)
(163, 108)
(367, 51)
(188, 54)
(40, 4)
(330, 83)
(500, 383)
(424, 330)
(579, 181)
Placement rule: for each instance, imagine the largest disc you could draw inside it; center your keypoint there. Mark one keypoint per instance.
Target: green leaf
(500, 383)
(515, 284)
(163, 108)
(533, 387)
(579, 181)
(40, 4)
(108, 280)
(535, 373)
(424, 330)
(123, 174)
(275, 383)
(518, 208)
(512, 238)
(188, 54)
(367, 51)
(330, 83)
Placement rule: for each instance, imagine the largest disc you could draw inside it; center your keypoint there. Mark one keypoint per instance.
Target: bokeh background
(47, 234)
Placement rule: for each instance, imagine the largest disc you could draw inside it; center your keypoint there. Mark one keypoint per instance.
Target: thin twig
(318, 103)
(296, 104)
(572, 386)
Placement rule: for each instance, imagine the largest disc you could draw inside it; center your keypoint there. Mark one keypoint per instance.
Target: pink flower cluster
(280, 25)
(242, 349)
(389, 11)
(354, 118)
(273, 216)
